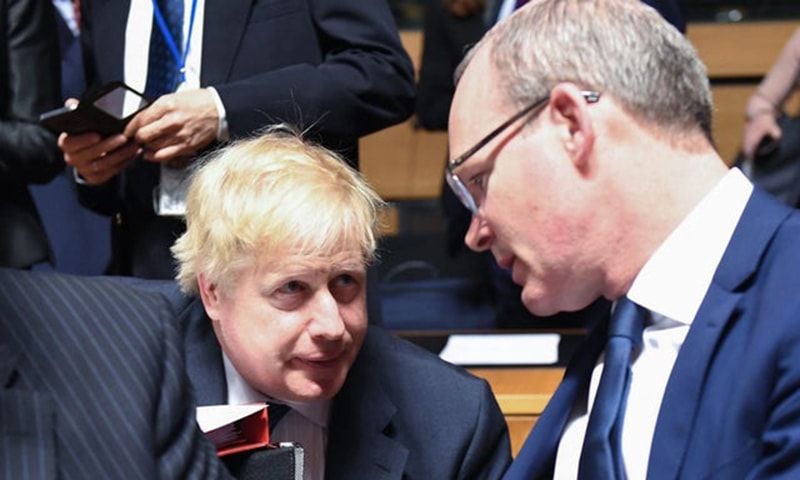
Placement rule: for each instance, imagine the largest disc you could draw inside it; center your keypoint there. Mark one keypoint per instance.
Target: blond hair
(272, 195)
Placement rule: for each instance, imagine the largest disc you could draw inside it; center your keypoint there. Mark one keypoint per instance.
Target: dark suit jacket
(732, 404)
(447, 38)
(29, 85)
(336, 67)
(402, 413)
(92, 384)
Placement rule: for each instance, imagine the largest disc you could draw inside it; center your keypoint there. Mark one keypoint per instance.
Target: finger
(100, 169)
(143, 119)
(69, 143)
(84, 150)
(160, 132)
(168, 153)
(113, 164)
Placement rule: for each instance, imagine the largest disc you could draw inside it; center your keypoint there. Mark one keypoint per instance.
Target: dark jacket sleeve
(361, 82)
(30, 83)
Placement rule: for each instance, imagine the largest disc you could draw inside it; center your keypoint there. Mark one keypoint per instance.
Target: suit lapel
(536, 458)
(27, 422)
(222, 37)
(760, 220)
(685, 387)
(109, 20)
(359, 426)
(203, 355)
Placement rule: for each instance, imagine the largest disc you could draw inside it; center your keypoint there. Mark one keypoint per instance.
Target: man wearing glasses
(581, 142)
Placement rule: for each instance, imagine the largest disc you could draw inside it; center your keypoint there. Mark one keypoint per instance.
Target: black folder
(273, 462)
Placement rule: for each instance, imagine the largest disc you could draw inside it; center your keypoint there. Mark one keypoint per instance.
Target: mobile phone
(106, 111)
(766, 146)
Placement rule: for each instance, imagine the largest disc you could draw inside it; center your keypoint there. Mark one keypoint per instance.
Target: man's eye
(292, 287)
(478, 182)
(345, 288)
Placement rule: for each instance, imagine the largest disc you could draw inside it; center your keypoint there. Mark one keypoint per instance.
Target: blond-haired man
(279, 236)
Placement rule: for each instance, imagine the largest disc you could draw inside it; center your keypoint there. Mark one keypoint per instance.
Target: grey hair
(621, 48)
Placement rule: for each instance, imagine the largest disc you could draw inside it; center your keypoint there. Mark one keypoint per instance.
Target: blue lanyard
(180, 59)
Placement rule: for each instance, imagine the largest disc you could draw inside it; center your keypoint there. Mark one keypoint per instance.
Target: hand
(97, 159)
(758, 127)
(463, 8)
(176, 125)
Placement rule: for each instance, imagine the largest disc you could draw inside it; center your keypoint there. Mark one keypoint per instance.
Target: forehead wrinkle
(302, 264)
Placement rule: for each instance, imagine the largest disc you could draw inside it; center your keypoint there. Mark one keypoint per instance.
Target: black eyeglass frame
(455, 183)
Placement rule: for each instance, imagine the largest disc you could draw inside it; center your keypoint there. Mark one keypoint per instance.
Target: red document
(235, 428)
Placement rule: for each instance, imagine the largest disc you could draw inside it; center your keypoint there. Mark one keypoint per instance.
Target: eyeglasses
(459, 187)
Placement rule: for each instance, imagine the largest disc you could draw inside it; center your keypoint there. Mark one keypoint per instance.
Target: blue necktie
(162, 66)
(601, 456)
(519, 3)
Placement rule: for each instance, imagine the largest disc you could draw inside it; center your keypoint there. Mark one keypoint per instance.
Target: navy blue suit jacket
(402, 413)
(732, 404)
(93, 384)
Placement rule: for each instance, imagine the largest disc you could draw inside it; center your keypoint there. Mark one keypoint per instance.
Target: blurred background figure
(219, 70)
(80, 238)
(29, 85)
(770, 153)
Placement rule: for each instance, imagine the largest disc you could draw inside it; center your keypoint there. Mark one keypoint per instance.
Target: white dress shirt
(671, 286)
(305, 423)
(137, 42)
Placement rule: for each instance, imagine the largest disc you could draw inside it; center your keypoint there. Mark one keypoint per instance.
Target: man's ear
(569, 108)
(210, 295)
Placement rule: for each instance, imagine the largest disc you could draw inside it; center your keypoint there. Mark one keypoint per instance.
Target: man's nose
(327, 321)
(479, 236)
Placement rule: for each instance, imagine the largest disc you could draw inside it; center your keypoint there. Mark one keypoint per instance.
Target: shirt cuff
(78, 179)
(223, 135)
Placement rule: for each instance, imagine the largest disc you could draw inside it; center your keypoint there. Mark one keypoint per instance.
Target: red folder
(235, 428)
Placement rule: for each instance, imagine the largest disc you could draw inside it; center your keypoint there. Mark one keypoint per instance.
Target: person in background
(767, 102)
(29, 85)
(79, 238)
(580, 139)
(219, 70)
(94, 383)
(274, 260)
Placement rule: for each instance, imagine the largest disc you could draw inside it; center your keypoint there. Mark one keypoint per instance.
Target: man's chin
(315, 387)
(538, 304)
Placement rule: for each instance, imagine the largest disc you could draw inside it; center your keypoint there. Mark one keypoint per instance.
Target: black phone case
(86, 117)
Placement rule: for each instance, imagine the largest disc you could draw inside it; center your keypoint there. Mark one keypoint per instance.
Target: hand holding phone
(106, 111)
(766, 146)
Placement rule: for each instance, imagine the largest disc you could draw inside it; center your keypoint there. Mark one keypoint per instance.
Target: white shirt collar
(674, 281)
(239, 392)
